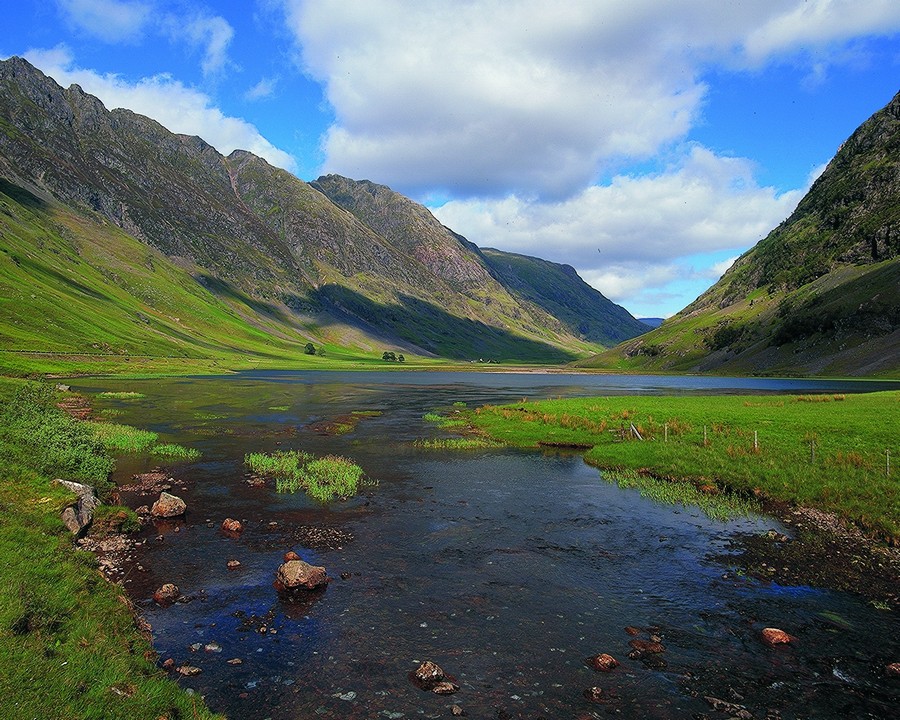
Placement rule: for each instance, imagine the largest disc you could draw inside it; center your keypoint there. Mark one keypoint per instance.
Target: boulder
(603, 662)
(232, 564)
(299, 575)
(79, 516)
(774, 636)
(893, 670)
(167, 594)
(291, 555)
(647, 646)
(168, 506)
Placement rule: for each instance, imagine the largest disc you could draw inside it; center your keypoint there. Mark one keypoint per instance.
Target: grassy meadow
(825, 451)
(68, 639)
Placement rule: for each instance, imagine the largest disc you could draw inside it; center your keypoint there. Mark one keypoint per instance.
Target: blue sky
(646, 143)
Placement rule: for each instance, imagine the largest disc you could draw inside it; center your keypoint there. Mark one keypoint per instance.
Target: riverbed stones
(233, 564)
(603, 662)
(594, 694)
(166, 594)
(189, 670)
(230, 525)
(429, 672)
(296, 575)
(457, 711)
(774, 636)
(445, 687)
(168, 506)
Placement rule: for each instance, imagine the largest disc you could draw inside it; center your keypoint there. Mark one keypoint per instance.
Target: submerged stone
(168, 505)
(299, 575)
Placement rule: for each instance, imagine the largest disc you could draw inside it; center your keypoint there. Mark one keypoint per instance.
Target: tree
(389, 356)
(310, 349)
(320, 352)
(400, 358)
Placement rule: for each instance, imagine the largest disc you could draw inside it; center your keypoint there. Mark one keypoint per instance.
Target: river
(508, 568)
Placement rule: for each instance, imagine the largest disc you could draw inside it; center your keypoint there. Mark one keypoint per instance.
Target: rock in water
(603, 662)
(445, 688)
(168, 506)
(429, 672)
(167, 594)
(774, 636)
(299, 575)
(230, 525)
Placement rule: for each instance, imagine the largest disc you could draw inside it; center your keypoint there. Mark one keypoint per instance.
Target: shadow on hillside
(21, 195)
(435, 330)
(227, 291)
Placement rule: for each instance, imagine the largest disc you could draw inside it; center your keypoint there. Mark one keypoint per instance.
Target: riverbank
(68, 637)
(825, 465)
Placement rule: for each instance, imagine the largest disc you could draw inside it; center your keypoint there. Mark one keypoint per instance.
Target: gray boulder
(78, 516)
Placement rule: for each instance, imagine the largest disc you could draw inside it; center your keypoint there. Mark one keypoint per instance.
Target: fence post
(755, 442)
(667, 432)
(704, 436)
(888, 454)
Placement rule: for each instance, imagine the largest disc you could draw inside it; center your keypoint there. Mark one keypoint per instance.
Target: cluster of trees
(392, 357)
(310, 349)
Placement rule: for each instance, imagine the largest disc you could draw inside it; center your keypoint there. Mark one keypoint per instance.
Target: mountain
(652, 322)
(348, 264)
(819, 295)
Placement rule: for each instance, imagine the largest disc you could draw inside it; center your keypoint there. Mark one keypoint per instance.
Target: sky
(646, 143)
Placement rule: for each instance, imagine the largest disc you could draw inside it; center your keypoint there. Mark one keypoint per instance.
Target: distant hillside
(652, 322)
(296, 261)
(819, 295)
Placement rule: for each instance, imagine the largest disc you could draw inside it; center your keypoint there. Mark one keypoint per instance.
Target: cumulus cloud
(628, 235)
(818, 23)
(485, 98)
(180, 108)
(109, 20)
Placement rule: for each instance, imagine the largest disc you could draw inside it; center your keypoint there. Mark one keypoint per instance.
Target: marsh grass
(67, 636)
(442, 421)
(466, 443)
(829, 454)
(127, 439)
(718, 506)
(121, 395)
(322, 478)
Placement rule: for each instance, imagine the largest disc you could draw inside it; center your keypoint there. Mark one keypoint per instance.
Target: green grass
(322, 478)
(443, 421)
(467, 443)
(126, 439)
(825, 454)
(124, 395)
(67, 637)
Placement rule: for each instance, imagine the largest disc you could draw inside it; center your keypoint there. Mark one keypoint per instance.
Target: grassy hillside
(818, 295)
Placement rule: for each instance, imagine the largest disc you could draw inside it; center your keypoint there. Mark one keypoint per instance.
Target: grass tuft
(322, 478)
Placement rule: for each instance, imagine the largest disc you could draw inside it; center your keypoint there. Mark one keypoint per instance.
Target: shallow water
(507, 568)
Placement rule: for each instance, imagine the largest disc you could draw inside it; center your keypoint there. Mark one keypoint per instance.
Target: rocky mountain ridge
(257, 236)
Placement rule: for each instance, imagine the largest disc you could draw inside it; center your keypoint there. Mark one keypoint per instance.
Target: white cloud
(263, 89)
(109, 20)
(535, 98)
(211, 32)
(717, 270)
(629, 235)
(178, 107)
(814, 24)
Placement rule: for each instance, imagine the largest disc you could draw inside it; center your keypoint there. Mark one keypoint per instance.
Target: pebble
(235, 661)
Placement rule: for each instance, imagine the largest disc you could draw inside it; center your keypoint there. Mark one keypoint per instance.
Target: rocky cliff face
(378, 260)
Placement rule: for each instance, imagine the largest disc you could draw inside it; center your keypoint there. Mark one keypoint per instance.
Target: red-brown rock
(647, 646)
(603, 662)
(429, 672)
(893, 670)
(445, 688)
(167, 594)
(232, 564)
(168, 506)
(299, 575)
(631, 630)
(291, 555)
(230, 525)
(774, 636)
